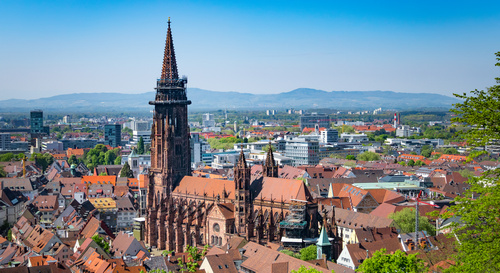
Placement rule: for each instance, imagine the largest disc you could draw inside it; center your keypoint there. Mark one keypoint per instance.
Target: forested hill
(302, 98)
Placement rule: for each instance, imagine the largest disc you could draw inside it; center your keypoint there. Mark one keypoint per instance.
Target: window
(216, 227)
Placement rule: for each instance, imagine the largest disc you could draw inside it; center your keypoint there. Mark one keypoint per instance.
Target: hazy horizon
(257, 47)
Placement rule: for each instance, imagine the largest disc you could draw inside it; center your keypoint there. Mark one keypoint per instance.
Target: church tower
(242, 201)
(170, 150)
(269, 169)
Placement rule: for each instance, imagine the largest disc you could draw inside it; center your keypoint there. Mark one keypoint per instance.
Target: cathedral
(185, 210)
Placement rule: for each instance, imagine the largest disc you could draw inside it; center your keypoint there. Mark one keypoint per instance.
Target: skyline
(258, 47)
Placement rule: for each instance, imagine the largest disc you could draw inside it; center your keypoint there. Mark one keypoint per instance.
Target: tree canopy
(479, 207)
(368, 156)
(406, 221)
(43, 160)
(397, 262)
(140, 146)
(194, 256)
(126, 171)
(310, 269)
(100, 155)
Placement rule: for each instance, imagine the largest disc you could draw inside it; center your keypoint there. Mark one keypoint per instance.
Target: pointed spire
(270, 156)
(169, 69)
(323, 238)
(242, 163)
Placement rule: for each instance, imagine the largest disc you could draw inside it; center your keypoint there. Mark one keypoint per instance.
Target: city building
(329, 136)
(354, 137)
(302, 152)
(313, 119)
(208, 120)
(113, 135)
(5, 141)
(37, 128)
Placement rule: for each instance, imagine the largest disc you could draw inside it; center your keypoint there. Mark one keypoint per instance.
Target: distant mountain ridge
(301, 98)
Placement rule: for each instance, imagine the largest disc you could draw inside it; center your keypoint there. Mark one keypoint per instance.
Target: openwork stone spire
(242, 162)
(169, 69)
(270, 169)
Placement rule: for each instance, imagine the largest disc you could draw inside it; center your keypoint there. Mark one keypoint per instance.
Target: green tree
(368, 156)
(9, 235)
(43, 160)
(406, 221)
(397, 262)
(466, 173)
(118, 160)
(6, 157)
(303, 269)
(291, 253)
(126, 171)
(101, 242)
(479, 207)
(350, 157)
(140, 146)
(419, 163)
(451, 151)
(411, 162)
(194, 256)
(426, 151)
(308, 253)
(72, 160)
(3, 173)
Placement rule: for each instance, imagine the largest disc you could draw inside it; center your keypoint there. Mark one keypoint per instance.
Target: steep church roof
(200, 185)
(278, 188)
(169, 69)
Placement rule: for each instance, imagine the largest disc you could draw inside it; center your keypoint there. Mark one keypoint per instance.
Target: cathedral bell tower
(170, 150)
(269, 169)
(242, 203)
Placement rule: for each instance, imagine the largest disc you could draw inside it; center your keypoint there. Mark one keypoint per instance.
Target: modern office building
(313, 119)
(37, 128)
(329, 136)
(112, 135)
(5, 141)
(303, 152)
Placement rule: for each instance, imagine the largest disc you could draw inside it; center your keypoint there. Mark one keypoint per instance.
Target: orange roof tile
(100, 179)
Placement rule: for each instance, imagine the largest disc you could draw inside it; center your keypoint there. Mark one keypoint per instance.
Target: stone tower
(170, 150)
(242, 202)
(269, 169)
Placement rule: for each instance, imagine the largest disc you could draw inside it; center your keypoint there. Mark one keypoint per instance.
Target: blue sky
(58, 47)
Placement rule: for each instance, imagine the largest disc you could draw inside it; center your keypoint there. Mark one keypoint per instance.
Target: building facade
(313, 119)
(113, 135)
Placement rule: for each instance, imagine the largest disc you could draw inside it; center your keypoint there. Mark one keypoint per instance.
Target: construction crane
(417, 201)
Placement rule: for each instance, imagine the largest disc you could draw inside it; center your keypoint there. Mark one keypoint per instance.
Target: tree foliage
(194, 256)
(126, 171)
(397, 262)
(308, 253)
(224, 143)
(101, 242)
(350, 157)
(10, 156)
(479, 207)
(42, 160)
(100, 155)
(368, 156)
(411, 162)
(140, 146)
(3, 173)
(303, 269)
(406, 221)
(426, 151)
